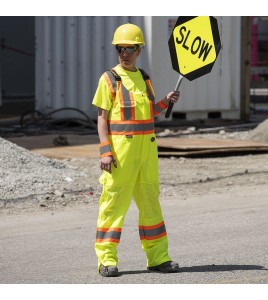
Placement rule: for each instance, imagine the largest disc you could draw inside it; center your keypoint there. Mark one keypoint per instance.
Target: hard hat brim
(118, 42)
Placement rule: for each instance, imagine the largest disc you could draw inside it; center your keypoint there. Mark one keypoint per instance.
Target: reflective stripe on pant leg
(114, 203)
(146, 193)
(116, 197)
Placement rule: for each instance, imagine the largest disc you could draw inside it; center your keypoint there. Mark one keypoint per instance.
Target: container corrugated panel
(73, 52)
(71, 55)
(218, 91)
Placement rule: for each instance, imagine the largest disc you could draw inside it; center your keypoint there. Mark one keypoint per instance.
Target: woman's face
(127, 56)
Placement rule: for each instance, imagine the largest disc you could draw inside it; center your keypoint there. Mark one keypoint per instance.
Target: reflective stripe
(125, 97)
(149, 90)
(152, 232)
(108, 235)
(131, 128)
(128, 123)
(158, 107)
(126, 104)
(133, 112)
(111, 82)
(106, 149)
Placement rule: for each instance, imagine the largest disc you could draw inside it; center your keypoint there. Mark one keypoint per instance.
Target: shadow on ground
(205, 268)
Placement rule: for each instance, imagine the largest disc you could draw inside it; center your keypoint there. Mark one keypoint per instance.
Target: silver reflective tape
(131, 127)
(105, 149)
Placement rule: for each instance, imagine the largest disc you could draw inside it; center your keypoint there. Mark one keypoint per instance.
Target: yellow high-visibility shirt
(133, 81)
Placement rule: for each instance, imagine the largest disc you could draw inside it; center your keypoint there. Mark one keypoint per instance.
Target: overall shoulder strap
(112, 78)
(149, 87)
(144, 74)
(115, 75)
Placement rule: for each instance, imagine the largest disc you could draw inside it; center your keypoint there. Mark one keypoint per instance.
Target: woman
(129, 157)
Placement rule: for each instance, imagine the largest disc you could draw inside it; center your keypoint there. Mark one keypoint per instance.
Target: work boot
(108, 271)
(166, 267)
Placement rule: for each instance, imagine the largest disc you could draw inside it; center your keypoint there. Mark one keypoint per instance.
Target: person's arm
(106, 154)
(163, 104)
(171, 96)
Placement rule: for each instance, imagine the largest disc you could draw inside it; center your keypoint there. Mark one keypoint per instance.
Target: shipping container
(71, 55)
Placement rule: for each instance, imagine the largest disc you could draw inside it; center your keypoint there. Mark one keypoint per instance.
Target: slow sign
(194, 45)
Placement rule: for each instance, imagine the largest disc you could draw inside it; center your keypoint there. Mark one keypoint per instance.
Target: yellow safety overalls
(133, 144)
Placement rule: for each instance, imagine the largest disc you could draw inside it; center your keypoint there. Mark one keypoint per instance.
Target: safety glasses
(129, 50)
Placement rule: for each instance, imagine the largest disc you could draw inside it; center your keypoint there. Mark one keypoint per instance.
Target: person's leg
(146, 194)
(152, 229)
(116, 198)
(113, 205)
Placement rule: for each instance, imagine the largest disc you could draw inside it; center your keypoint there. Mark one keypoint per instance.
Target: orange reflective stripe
(152, 232)
(151, 91)
(104, 143)
(108, 241)
(130, 127)
(125, 132)
(133, 113)
(127, 103)
(153, 237)
(105, 229)
(127, 123)
(131, 121)
(105, 235)
(105, 149)
(110, 85)
(106, 154)
(158, 107)
(151, 110)
(152, 226)
(121, 99)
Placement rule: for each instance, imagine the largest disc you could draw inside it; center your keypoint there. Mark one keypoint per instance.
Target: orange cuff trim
(162, 105)
(104, 143)
(105, 149)
(106, 154)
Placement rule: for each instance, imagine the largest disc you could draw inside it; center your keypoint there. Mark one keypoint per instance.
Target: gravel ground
(48, 205)
(30, 182)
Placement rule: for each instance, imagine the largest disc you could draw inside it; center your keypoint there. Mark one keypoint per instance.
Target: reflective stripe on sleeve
(105, 149)
(158, 107)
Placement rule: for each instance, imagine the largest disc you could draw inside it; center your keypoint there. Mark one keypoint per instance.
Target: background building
(49, 63)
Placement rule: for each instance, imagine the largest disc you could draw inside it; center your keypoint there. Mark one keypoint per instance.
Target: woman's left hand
(173, 96)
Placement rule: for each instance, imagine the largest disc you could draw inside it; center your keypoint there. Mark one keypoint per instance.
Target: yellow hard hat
(128, 34)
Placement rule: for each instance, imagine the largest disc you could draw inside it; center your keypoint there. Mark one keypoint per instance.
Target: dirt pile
(260, 133)
(26, 174)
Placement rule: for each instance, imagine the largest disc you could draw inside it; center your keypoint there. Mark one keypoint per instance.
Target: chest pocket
(127, 105)
(143, 109)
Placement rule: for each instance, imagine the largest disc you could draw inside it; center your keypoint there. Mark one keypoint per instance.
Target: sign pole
(170, 106)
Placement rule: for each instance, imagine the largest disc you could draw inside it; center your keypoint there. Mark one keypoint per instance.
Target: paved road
(215, 238)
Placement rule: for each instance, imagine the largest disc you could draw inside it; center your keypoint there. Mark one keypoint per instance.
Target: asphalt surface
(216, 239)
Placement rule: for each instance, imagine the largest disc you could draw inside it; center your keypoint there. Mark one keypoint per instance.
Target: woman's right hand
(106, 163)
